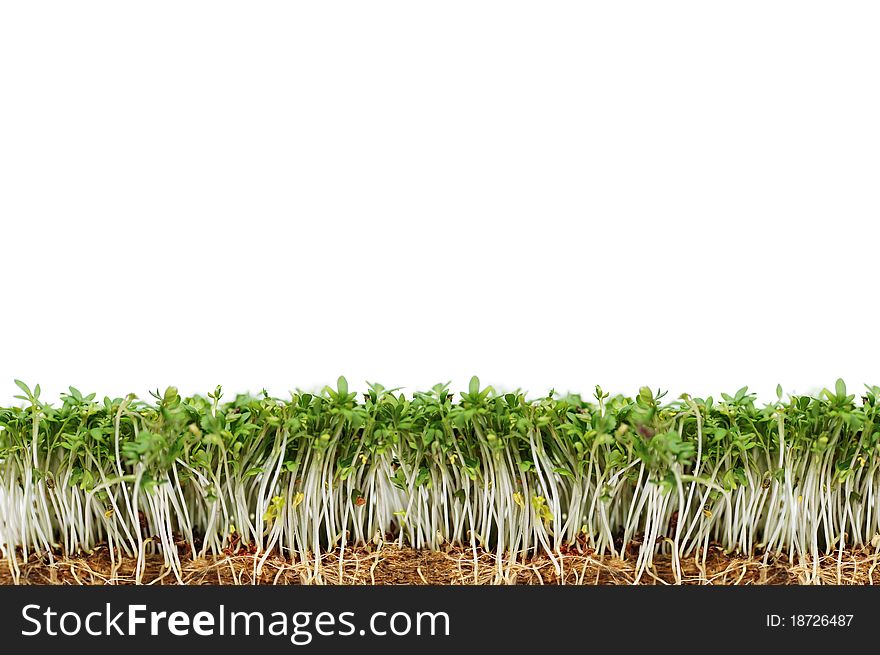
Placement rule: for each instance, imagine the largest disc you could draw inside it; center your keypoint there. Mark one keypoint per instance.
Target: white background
(546, 194)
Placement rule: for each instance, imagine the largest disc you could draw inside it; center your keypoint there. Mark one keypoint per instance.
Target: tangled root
(391, 565)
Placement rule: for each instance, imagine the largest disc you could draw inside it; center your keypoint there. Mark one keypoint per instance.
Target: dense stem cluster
(625, 476)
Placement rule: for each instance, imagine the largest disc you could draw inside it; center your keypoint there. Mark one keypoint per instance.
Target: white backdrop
(545, 194)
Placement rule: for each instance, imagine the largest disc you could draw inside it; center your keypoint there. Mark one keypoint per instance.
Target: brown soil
(389, 565)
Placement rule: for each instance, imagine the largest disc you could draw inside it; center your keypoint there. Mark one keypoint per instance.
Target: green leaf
(399, 480)
(474, 386)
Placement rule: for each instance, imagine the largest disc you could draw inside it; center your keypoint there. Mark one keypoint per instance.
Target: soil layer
(390, 565)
